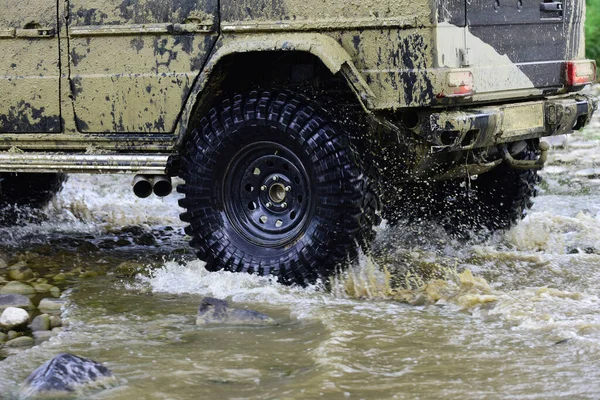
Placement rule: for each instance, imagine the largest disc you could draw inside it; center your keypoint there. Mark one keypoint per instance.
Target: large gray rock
(15, 300)
(13, 318)
(215, 311)
(66, 373)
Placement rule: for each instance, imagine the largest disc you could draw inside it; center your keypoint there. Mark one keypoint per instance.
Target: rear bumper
(487, 126)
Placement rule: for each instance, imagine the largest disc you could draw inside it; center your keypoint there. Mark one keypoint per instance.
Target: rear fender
(330, 52)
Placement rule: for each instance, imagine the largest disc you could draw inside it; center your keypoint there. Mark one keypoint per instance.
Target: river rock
(3, 337)
(55, 322)
(40, 323)
(42, 287)
(21, 341)
(13, 334)
(145, 239)
(64, 374)
(54, 291)
(51, 305)
(17, 288)
(13, 318)
(20, 272)
(15, 300)
(216, 311)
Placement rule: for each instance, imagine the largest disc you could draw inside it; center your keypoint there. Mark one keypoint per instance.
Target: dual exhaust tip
(145, 185)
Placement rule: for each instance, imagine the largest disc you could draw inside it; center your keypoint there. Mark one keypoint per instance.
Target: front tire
(274, 187)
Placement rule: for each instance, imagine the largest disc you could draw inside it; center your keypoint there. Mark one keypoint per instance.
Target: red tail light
(459, 83)
(581, 73)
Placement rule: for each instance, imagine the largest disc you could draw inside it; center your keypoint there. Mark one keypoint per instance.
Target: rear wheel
(273, 187)
(33, 190)
(496, 200)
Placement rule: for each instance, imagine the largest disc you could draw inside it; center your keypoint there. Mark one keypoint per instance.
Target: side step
(149, 164)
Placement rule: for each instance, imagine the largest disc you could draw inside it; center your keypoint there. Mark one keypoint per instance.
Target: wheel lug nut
(263, 188)
(284, 204)
(268, 205)
(275, 178)
(288, 188)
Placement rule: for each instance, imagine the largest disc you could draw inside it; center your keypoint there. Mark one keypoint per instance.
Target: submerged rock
(13, 318)
(216, 311)
(15, 300)
(66, 373)
(20, 272)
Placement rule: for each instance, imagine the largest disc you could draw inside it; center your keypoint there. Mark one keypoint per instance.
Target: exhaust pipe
(161, 185)
(142, 187)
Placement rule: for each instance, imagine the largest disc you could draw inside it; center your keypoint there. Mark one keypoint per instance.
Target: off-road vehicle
(294, 124)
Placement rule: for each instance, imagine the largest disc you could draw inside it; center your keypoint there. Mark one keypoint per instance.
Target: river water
(516, 315)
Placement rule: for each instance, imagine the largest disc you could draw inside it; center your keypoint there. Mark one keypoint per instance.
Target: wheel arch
(324, 50)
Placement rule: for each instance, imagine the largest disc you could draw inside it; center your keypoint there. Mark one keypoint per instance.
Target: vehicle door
(29, 67)
(133, 62)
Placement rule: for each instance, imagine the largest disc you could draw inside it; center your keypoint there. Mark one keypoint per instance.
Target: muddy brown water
(516, 315)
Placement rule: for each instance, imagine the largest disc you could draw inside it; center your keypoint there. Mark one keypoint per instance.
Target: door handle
(550, 8)
(35, 32)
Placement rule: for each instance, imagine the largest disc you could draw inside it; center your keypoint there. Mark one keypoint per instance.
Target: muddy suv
(295, 125)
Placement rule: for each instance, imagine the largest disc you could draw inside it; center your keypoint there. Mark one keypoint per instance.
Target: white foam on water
(109, 200)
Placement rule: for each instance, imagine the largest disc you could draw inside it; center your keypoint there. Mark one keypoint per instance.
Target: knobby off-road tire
(496, 200)
(273, 187)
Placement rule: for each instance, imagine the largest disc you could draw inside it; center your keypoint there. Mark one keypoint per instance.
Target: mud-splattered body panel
(390, 42)
(130, 75)
(29, 67)
(132, 63)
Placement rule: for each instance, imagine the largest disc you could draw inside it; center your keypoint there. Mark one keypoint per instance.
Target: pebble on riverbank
(52, 306)
(40, 323)
(22, 341)
(15, 287)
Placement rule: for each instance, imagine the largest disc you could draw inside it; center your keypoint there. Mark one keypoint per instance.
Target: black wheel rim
(267, 194)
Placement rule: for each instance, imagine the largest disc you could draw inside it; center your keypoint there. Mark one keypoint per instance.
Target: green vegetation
(592, 30)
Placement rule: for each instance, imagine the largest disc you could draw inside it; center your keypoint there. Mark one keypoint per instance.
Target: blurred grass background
(592, 30)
